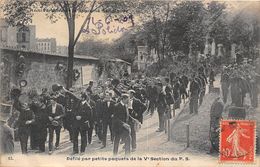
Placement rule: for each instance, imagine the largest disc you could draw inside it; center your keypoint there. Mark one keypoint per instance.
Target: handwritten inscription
(110, 25)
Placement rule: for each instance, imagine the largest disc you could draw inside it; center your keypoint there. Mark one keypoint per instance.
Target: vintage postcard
(129, 83)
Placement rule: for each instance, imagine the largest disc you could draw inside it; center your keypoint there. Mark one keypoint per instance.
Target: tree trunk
(71, 26)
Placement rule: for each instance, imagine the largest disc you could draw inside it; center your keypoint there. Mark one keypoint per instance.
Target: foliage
(187, 27)
(92, 47)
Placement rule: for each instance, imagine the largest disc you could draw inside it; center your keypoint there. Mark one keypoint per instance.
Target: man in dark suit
(81, 118)
(136, 106)
(68, 118)
(136, 109)
(161, 107)
(25, 119)
(40, 124)
(152, 94)
(98, 117)
(89, 88)
(194, 95)
(215, 116)
(106, 117)
(119, 123)
(55, 113)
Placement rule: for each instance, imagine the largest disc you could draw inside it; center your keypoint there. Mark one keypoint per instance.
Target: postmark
(237, 141)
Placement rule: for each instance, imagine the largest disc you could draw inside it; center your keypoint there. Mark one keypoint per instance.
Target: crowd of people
(240, 80)
(117, 106)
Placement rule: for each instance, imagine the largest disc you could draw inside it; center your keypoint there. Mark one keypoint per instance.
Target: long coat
(107, 112)
(120, 117)
(83, 110)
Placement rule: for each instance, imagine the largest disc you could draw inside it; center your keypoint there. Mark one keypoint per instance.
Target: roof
(83, 57)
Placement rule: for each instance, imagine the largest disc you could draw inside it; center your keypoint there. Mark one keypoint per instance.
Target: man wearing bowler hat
(25, 119)
(120, 126)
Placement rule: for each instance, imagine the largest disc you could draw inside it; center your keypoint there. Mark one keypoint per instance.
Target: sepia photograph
(129, 83)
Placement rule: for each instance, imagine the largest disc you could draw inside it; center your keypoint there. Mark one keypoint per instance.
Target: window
(23, 34)
(23, 37)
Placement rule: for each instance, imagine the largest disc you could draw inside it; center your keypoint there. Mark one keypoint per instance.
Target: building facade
(19, 37)
(46, 44)
(145, 57)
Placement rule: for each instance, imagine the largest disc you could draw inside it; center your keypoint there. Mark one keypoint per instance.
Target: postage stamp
(237, 141)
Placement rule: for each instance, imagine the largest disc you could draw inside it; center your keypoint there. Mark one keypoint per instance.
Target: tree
(217, 24)
(20, 12)
(187, 26)
(154, 16)
(94, 48)
(125, 47)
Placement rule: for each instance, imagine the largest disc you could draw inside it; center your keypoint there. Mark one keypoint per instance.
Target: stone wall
(40, 71)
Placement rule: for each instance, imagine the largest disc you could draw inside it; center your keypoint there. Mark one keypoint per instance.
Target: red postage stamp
(237, 141)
